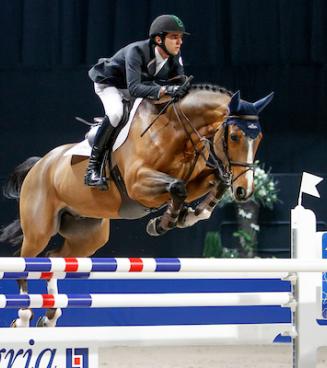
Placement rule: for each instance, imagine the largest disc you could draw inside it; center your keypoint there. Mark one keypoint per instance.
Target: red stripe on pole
(71, 265)
(46, 275)
(48, 300)
(136, 265)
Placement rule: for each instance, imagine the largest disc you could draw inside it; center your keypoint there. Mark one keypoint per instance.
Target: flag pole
(299, 202)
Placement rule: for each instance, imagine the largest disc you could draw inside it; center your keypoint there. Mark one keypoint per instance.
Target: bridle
(222, 172)
(230, 163)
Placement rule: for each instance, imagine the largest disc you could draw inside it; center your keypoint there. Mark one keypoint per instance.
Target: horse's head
(237, 141)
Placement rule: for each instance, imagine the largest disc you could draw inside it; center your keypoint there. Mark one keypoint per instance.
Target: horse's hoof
(187, 218)
(25, 316)
(153, 228)
(183, 216)
(41, 322)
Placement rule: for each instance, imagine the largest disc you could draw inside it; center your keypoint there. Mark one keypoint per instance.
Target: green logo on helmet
(178, 21)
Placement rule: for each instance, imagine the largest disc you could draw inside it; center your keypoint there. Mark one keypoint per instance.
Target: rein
(201, 139)
(162, 111)
(198, 153)
(172, 101)
(222, 172)
(217, 165)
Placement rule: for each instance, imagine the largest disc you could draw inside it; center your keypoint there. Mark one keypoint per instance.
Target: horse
(194, 148)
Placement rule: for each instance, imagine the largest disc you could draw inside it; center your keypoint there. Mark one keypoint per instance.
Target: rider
(143, 68)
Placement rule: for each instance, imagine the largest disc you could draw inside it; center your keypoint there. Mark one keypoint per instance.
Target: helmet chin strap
(162, 44)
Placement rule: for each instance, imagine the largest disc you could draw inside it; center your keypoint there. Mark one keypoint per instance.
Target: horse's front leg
(168, 220)
(203, 211)
(154, 188)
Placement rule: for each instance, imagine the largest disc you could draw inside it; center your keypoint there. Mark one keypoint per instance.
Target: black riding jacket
(133, 68)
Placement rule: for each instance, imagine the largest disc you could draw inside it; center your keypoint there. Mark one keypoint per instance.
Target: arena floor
(277, 356)
(198, 357)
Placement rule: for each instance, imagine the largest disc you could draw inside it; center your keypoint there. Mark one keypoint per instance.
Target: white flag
(308, 185)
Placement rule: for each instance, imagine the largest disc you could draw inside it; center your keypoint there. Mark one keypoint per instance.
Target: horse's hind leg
(52, 314)
(29, 249)
(83, 237)
(25, 314)
(39, 223)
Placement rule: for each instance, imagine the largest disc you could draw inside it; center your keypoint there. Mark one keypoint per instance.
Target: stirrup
(95, 179)
(100, 184)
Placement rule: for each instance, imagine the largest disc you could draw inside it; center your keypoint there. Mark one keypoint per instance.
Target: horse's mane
(211, 87)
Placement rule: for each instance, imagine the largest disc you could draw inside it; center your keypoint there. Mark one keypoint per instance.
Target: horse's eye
(234, 137)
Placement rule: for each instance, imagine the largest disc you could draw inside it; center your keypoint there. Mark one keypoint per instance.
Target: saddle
(128, 102)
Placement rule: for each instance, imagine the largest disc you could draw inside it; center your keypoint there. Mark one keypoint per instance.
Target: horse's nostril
(240, 192)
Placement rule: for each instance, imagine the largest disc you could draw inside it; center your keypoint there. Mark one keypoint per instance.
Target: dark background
(47, 47)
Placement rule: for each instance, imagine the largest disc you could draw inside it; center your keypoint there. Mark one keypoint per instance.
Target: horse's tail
(13, 186)
(13, 232)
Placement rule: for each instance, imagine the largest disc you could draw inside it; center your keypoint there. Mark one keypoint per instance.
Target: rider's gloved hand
(177, 91)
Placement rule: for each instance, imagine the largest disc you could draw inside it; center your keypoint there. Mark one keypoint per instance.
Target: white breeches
(112, 102)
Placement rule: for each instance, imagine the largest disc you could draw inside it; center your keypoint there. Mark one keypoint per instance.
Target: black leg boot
(93, 176)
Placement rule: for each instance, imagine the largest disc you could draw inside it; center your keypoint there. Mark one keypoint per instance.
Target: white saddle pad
(84, 149)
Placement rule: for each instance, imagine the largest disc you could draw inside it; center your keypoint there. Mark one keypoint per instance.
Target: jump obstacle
(55, 346)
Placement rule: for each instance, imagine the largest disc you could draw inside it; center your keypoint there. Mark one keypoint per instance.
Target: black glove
(177, 91)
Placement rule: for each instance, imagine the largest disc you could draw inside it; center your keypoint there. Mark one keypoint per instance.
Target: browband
(243, 117)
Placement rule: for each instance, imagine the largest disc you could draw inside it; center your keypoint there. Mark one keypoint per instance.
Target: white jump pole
(145, 275)
(148, 300)
(309, 264)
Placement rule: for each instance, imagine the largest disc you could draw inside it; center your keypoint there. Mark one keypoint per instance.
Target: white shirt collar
(160, 61)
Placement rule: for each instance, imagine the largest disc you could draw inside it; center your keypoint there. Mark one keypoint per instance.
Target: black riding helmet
(165, 24)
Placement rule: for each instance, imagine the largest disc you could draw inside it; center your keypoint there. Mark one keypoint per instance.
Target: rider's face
(173, 42)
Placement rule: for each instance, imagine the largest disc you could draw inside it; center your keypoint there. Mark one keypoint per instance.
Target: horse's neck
(204, 109)
(197, 115)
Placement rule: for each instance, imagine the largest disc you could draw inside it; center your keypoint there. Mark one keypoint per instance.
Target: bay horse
(161, 164)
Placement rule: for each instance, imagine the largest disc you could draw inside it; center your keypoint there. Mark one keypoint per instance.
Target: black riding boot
(93, 176)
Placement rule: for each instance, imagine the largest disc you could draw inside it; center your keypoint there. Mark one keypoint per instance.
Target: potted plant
(265, 195)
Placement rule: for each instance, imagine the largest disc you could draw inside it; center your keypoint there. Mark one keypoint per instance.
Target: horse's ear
(234, 102)
(261, 104)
